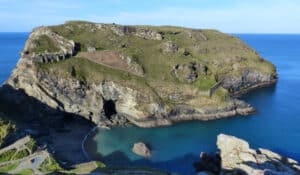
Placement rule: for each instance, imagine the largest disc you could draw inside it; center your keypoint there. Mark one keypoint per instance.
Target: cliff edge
(143, 75)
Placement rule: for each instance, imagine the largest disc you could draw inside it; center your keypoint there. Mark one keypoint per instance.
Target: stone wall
(214, 88)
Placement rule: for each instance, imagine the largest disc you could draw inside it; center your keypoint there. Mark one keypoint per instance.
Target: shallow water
(275, 126)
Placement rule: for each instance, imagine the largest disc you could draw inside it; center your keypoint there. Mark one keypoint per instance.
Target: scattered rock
(189, 72)
(148, 34)
(169, 47)
(184, 52)
(137, 31)
(141, 149)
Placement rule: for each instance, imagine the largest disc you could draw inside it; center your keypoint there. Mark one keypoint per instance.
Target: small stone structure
(214, 88)
(49, 57)
(91, 49)
(66, 48)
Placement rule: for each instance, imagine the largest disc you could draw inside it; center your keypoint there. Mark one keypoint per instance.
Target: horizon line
(231, 33)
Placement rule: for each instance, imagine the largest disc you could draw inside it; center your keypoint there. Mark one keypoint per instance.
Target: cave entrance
(109, 107)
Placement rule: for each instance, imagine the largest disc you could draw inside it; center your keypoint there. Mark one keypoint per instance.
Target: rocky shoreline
(235, 157)
(212, 115)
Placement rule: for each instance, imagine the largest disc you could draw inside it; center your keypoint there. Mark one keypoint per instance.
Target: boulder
(141, 149)
(238, 158)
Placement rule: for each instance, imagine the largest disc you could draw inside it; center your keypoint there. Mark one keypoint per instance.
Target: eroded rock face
(141, 149)
(238, 158)
(248, 79)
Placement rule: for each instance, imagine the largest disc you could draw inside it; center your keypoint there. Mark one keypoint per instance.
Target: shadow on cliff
(45, 124)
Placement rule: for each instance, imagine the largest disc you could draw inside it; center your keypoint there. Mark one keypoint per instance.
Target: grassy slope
(221, 53)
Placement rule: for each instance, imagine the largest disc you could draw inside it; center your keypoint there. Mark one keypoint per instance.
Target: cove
(275, 126)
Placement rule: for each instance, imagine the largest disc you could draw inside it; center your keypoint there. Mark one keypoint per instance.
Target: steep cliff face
(57, 68)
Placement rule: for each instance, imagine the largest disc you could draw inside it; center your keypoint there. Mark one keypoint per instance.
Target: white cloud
(256, 16)
(266, 18)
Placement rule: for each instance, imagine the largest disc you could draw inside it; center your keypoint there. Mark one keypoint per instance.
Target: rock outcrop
(141, 149)
(169, 47)
(248, 80)
(237, 158)
(189, 72)
(137, 31)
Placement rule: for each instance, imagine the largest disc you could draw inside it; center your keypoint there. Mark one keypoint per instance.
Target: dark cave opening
(109, 107)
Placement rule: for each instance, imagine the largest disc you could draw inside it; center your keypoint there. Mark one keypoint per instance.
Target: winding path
(84, 140)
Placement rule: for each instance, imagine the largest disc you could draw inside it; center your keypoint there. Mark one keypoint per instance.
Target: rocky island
(141, 75)
(78, 75)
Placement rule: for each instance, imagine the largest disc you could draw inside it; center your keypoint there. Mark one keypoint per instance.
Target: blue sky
(231, 16)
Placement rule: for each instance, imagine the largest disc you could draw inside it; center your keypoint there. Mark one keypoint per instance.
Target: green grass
(31, 145)
(86, 168)
(20, 154)
(13, 155)
(204, 83)
(43, 44)
(7, 155)
(26, 172)
(7, 168)
(49, 166)
(223, 54)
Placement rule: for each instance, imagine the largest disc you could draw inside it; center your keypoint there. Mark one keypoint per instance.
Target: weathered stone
(141, 149)
(189, 72)
(248, 80)
(169, 47)
(238, 157)
(137, 31)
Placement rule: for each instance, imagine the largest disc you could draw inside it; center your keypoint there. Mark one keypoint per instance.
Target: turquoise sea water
(275, 126)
